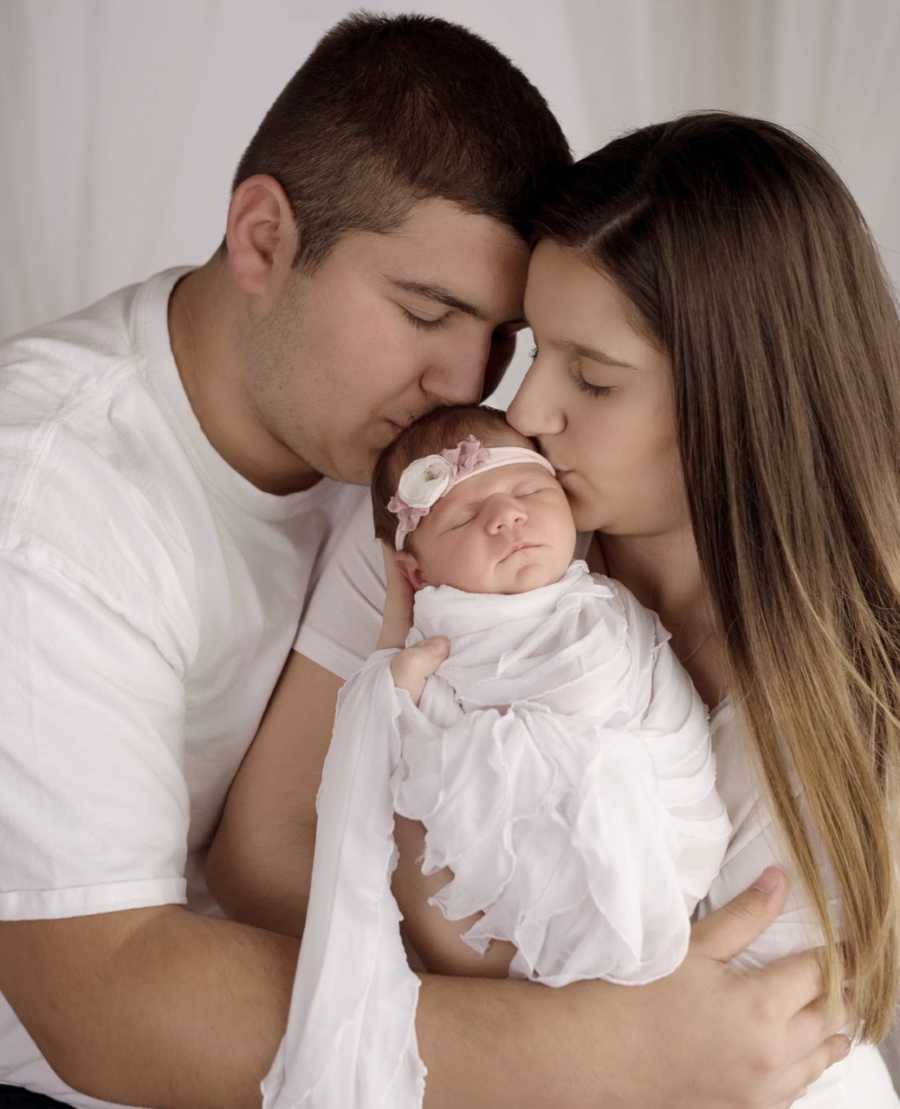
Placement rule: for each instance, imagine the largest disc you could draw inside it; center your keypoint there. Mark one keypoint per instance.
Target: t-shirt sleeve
(94, 807)
(343, 618)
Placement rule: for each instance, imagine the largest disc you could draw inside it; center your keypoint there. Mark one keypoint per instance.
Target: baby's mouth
(516, 547)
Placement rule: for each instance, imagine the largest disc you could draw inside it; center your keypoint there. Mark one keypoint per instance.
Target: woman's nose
(534, 411)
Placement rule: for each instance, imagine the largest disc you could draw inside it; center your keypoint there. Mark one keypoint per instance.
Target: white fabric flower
(425, 481)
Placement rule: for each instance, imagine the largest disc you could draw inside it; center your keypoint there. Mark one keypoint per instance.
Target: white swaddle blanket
(560, 761)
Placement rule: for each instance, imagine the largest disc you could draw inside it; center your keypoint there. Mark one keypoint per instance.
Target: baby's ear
(409, 567)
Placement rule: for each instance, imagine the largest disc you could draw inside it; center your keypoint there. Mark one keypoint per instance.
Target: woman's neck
(663, 572)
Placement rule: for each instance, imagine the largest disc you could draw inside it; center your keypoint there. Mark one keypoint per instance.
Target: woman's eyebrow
(593, 353)
(598, 356)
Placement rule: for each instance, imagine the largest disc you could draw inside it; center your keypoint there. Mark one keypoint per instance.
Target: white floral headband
(425, 481)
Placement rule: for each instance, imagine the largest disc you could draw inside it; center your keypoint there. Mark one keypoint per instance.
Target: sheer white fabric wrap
(560, 761)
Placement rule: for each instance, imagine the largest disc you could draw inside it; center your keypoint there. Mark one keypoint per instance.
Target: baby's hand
(415, 665)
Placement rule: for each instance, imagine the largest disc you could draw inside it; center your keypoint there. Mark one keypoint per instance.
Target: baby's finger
(414, 665)
(428, 655)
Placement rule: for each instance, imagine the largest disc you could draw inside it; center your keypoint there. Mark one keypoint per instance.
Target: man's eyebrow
(441, 295)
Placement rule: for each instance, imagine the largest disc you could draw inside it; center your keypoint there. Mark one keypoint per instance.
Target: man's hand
(707, 1037)
(780, 1035)
(720, 1038)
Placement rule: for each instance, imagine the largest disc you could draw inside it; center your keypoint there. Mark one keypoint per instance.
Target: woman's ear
(409, 567)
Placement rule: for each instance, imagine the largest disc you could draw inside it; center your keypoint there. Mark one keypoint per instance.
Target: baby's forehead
(501, 477)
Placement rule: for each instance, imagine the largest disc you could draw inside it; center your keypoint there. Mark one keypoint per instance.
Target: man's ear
(261, 235)
(409, 568)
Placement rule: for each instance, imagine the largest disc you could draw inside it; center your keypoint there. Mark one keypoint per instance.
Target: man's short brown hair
(387, 111)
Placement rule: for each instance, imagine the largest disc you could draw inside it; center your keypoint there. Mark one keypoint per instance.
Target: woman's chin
(588, 517)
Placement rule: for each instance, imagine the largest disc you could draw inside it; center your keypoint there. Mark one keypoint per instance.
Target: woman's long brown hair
(748, 261)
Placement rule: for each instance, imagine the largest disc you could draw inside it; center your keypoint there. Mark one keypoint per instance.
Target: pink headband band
(425, 481)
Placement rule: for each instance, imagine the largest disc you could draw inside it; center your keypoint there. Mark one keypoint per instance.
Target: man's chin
(350, 466)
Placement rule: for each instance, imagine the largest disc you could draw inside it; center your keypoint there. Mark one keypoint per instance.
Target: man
(170, 461)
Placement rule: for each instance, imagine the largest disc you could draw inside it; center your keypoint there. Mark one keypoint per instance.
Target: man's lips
(403, 422)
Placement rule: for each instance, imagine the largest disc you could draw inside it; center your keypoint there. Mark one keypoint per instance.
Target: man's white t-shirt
(353, 585)
(149, 596)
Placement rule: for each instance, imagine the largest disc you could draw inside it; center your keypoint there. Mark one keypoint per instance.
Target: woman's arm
(259, 865)
(437, 940)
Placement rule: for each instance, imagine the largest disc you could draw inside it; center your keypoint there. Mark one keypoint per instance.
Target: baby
(559, 761)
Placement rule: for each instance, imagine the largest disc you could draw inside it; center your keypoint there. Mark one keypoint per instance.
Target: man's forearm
(507, 1044)
(163, 1007)
(158, 1007)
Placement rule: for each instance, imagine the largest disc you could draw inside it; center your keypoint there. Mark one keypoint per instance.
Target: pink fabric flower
(426, 480)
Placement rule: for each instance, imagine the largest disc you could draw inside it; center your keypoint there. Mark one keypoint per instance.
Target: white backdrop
(121, 121)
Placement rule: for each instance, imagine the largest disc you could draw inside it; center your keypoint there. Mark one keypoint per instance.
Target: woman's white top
(560, 761)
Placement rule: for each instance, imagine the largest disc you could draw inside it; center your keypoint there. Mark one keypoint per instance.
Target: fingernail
(768, 881)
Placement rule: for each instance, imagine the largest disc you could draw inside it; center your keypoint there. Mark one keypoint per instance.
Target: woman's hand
(414, 665)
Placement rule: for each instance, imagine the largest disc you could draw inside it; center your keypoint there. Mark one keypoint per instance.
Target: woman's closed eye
(581, 382)
(586, 386)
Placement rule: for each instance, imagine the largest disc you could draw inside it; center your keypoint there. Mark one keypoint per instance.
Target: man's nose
(458, 378)
(535, 411)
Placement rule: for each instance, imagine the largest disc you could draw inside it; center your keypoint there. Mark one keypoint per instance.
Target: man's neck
(206, 317)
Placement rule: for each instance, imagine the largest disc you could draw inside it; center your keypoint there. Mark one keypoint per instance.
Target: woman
(717, 376)
(716, 381)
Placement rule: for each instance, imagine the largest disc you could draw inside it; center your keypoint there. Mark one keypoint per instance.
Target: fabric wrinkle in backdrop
(121, 123)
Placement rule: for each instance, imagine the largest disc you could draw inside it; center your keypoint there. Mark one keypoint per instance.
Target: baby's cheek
(467, 567)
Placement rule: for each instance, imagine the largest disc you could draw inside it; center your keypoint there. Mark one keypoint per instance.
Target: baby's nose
(506, 513)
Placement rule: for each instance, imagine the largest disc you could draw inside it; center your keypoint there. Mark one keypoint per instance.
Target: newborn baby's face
(504, 531)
